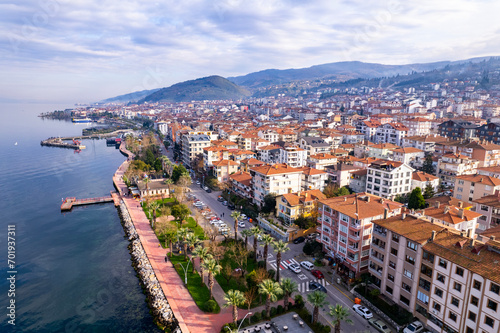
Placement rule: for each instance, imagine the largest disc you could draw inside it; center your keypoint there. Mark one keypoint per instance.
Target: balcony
(354, 237)
(355, 226)
(374, 268)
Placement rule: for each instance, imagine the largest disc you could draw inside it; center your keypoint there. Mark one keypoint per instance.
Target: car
(312, 236)
(313, 286)
(205, 188)
(379, 325)
(298, 240)
(415, 327)
(259, 237)
(307, 265)
(220, 198)
(362, 311)
(294, 268)
(241, 224)
(317, 274)
(243, 217)
(224, 203)
(208, 190)
(198, 182)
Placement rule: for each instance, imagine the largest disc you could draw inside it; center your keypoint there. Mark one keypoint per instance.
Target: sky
(81, 51)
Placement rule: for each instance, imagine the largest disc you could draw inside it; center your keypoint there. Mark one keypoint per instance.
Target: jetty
(74, 142)
(69, 202)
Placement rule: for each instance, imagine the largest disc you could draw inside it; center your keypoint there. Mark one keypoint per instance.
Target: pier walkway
(69, 202)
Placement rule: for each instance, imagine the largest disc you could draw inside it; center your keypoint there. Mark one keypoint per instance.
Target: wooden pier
(69, 202)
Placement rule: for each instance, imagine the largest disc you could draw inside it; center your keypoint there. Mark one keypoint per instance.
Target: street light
(243, 321)
(185, 271)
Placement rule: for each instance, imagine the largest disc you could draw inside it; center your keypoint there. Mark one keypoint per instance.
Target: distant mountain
(338, 70)
(207, 88)
(131, 97)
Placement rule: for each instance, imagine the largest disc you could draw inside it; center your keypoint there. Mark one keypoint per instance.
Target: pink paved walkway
(191, 318)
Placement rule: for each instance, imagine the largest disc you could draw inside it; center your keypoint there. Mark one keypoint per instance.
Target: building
(457, 129)
(422, 180)
(248, 163)
(340, 173)
(241, 184)
(427, 143)
(314, 145)
(223, 168)
(274, 179)
(346, 227)
(391, 133)
(192, 145)
(413, 157)
(453, 165)
(453, 217)
(489, 208)
(358, 180)
(473, 187)
(292, 205)
(293, 156)
(380, 150)
(213, 154)
(489, 132)
(388, 179)
(153, 188)
(320, 161)
(313, 179)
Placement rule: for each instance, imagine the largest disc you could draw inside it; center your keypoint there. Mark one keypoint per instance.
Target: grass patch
(198, 290)
(167, 202)
(191, 224)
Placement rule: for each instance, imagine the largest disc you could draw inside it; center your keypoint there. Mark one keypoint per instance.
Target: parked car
(298, 240)
(231, 206)
(205, 188)
(220, 198)
(362, 311)
(313, 286)
(415, 327)
(294, 268)
(317, 274)
(224, 203)
(243, 217)
(312, 236)
(198, 182)
(307, 265)
(241, 224)
(379, 325)
(208, 190)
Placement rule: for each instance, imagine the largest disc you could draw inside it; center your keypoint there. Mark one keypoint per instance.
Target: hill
(207, 88)
(131, 97)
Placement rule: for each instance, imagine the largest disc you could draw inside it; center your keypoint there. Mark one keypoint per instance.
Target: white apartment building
(192, 145)
(422, 180)
(274, 179)
(426, 143)
(314, 145)
(293, 156)
(417, 126)
(387, 178)
(391, 133)
(413, 157)
(320, 161)
(453, 165)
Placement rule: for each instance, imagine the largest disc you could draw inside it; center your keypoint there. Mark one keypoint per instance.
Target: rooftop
(361, 205)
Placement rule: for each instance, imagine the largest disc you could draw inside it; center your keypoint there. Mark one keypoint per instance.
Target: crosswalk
(304, 286)
(284, 263)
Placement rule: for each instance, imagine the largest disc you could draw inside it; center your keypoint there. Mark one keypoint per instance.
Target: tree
(250, 295)
(280, 247)
(169, 183)
(428, 166)
(183, 234)
(333, 190)
(191, 241)
(241, 257)
(236, 216)
(416, 200)
(266, 239)
(146, 182)
(234, 298)
(289, 287)
(255, 232)
(271, 290)
(180, 212)
(429, 191)
(177, 171)
(154, 206)
(246, 233)
(317, 299)
(269, 203)
(203, 254)
(339, 314)
(212, 267)
(227, 272)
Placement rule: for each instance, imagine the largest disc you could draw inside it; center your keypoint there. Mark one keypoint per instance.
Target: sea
(71, 272)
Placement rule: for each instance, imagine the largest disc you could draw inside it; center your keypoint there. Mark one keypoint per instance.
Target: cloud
(94, 44)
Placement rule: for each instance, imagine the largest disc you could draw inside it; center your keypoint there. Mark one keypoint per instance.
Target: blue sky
(86, 50)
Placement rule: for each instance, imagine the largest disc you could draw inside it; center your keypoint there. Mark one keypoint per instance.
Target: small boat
(15, 144)
(81, 120)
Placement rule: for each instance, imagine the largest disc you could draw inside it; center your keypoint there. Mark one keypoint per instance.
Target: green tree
(271, 290)
(339, 314)
(212, 267)
(236, 216)
(178, 171)
(234, 298)
(427, 166)
(269, 203)
(203, 254)
(266, 239)
(255, 232)
(289, 287)
(169, 183)
(317, 299)
(280, 247)
(183, 234)
(429, 191)
(246, 233)
(192, 241)
(416, 200)
(180, 212)
(153, 206)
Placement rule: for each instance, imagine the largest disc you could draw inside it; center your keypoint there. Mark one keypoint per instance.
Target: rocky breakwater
(157, 300)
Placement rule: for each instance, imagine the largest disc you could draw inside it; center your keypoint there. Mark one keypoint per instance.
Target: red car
(317, 274)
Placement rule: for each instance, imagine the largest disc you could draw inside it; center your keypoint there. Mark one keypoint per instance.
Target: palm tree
(191, 241)
(289, 287)
(171, 236)
(167, 164)
(183, 234)
(280, 247)
(203, 254)
(154, 206)
(247, 233)
(339, 313)
(168, 182)
(272, 290)
(234, 298)
(236, 216)
(255, 232)
(266, 239)
(146, 182)
(212, 267)
(317, 299)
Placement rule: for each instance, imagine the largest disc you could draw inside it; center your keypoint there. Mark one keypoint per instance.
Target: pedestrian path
(304, 286)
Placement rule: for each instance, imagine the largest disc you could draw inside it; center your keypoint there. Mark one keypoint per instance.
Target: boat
(81, 120)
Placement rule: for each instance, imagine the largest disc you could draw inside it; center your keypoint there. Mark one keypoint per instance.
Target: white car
(222, 225)
(241, 224)
(243, 217)
(415, 327)
(307, 265)
(362, 311)
(294, 268)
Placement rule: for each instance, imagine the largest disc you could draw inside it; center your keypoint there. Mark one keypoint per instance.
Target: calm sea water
(74, 271)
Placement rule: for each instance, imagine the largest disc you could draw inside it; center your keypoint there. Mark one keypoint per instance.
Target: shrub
(274, 311)
(320, 328)
(281, 309)
(263, 313)
(251, 279)
(228, 328)
(256, 317)
(261, 264)
(299, 302)
(272, 273)
(211, 306)
(312, 247)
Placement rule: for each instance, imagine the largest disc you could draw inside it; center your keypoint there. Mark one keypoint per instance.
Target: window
(452, 316)
(426, 270)
(437, 306)
(474, 300)
(343, 228)
(472, 316)
(455, 301)
(428, 256)
(342, 239)
(469, 330)
(495, 288)
(459, 271)
(438, 292)
(408, 274)
(394, 251)
(457, 286)
(492, 305)
(406, 287)
(440, 278)
(392, 265)
(424, 284)
(388, 290)
(477, 285)
(404, 300)
(410, 260)
(412, 246)
(423, 297)
(489, 321)
(443, 263)
(390, 277)
(395, 237)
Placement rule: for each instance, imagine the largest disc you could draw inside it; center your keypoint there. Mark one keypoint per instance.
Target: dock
(69, 202)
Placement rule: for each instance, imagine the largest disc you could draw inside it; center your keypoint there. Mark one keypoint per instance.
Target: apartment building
(314, 145)
(313, 179)
(213, 154)
(391, 133)
(452, 165)
(417, 126)
(293, 156)
(223, 168)
(346, 227)
(320, 161)
(457, 129)
(245, 140)
(368, 128)
(358, 180)
(488, 154)
(427, 143)
(192, 145)
(422, 180)
(277, 179)
(489, 208)
(453, 217)
(388, 179)
(489, 132)
(380, 150)
(490, 171)
(473, 187)
(449, 282)
(413, 157)
(292, 205)
(241, 184)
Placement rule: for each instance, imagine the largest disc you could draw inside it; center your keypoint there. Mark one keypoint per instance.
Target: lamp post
(249, 313)
(186, 270)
